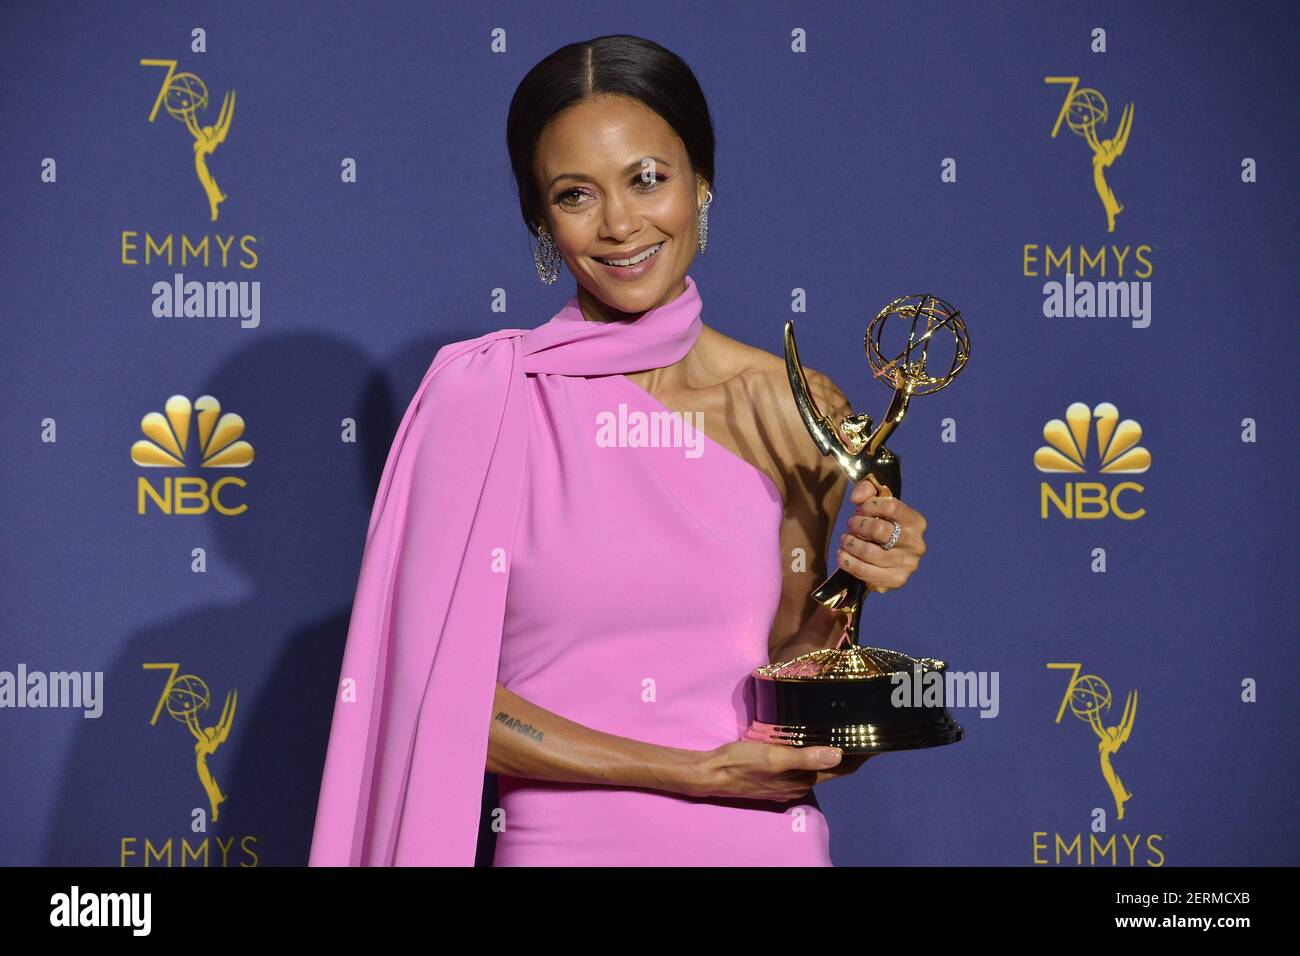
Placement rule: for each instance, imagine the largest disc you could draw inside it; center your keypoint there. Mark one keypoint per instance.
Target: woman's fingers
(876, 532)
(881, 569)
(893, 509)
(862, 551)
(864, 489)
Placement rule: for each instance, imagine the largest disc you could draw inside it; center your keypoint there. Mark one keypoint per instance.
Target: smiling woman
(631, 210)
(643, 585)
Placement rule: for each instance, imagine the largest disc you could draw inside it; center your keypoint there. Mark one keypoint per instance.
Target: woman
(572, 607)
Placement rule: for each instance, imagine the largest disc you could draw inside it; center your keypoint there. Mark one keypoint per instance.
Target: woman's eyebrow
(629, 168)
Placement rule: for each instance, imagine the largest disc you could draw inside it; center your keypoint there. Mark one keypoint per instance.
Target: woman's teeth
(634, 260)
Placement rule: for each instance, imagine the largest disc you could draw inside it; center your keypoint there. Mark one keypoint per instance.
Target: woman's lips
(632, 272)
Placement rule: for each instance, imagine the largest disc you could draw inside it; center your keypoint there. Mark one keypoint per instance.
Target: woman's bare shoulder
(810, 482)
(766, 384)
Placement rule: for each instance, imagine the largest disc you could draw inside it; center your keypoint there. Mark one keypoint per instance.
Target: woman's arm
(527, 741)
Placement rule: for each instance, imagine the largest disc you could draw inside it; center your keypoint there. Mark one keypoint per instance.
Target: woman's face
(615, 180)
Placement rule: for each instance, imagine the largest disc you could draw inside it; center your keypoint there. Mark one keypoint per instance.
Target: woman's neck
(593, 310)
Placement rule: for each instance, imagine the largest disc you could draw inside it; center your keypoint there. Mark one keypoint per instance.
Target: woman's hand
(762, 771)
(861, 552)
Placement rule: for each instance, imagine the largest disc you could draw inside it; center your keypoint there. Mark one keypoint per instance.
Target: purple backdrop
(865, 151)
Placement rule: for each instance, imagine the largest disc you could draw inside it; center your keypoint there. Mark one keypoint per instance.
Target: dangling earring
(704, 220)
(547, 257)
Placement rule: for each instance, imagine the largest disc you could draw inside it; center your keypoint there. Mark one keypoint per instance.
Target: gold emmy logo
(185, 698)
(164, 446)
(1067, 449)
(1089, 698)
(1085, 111)
(184, 96)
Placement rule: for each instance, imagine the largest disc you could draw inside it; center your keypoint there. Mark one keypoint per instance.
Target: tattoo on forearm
(514, 723)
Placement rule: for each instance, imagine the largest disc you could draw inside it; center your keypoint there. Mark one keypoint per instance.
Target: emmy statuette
(842, 696)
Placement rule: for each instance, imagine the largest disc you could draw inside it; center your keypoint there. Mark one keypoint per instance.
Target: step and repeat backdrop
(234, 235)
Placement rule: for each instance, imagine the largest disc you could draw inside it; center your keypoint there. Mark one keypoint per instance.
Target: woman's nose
(619, 216)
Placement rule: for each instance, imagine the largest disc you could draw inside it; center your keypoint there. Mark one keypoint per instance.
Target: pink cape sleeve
(403, 775)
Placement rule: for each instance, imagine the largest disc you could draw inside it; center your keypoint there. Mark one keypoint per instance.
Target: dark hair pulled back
(618, 64)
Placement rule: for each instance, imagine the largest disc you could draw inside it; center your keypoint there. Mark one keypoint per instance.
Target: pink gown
(630, 589)
(641, 593)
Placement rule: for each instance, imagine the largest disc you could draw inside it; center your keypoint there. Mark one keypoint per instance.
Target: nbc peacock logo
(219, 444)
(1068, 450)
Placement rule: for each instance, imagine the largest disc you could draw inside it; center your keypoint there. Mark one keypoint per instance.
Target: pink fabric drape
(403, 775)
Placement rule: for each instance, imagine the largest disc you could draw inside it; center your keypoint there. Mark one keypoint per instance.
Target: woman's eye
(563, 198)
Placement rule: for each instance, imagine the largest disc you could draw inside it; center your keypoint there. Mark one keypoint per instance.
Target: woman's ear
(701, 190)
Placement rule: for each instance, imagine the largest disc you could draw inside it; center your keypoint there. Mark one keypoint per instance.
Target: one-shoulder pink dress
(641, 593)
